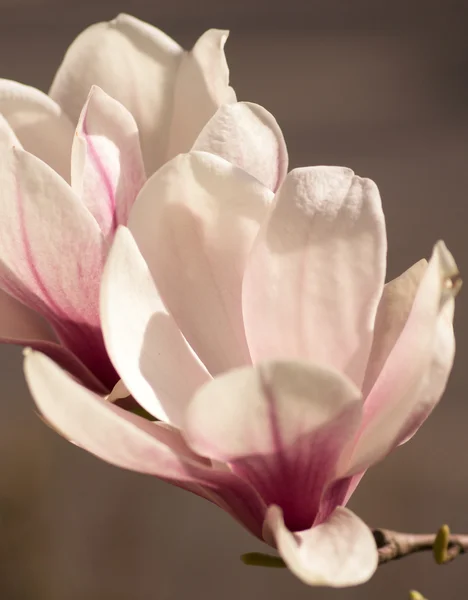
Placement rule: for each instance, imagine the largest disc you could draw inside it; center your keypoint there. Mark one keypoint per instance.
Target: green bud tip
(441, 545)
(413, 595)
(258, 559)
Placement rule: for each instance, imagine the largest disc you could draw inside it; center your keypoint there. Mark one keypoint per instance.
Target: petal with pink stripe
(280, 426)
(107, 165)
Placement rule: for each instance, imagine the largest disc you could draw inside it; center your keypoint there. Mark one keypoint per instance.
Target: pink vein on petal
(30, 260)
(94, 155)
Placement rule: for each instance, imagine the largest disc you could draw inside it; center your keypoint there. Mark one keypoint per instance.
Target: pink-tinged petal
(21, 326)
(416, 371)
(107, 166)
(145, 345)
(50, 246)
(202, 86)
(392, 314)
(131, 442)
(39, 124)
(316, 272)
(195, 222)
(281, 427)
(51, 254)
(134, 63)
(338, 553)
(249, 137)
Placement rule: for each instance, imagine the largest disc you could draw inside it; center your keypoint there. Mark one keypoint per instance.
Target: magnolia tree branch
(392, 545)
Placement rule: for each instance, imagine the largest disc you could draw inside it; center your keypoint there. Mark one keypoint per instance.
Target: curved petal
(107, 166)
(280, 426)
(51, 253)
(131, 442)
(316, 272)
(340, 552)
(202, 86)
(39, 124)
(50, 246)
(392, 314)
(134, 63)
(416, 371)
(146, 346)
(249, 137)
(195, 222)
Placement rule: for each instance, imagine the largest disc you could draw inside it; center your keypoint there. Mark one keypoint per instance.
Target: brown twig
(394, 545)
(391, 545)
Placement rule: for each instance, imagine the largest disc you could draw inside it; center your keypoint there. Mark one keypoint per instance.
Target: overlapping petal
(194, 222)
(416, 371)
(107, 166)
(143, 341)
(316, 272)
(281, 426)
(249, 137)
(131, 442)
(170, 93)
(51, 252)
(39, 123)
(202, 86)
(50, 245)
(394, 309)
(339, 552)
(135, 64)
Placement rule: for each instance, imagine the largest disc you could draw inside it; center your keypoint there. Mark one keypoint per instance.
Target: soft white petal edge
(93, 423)
(414, 375)
(340, 552)
(143, 341)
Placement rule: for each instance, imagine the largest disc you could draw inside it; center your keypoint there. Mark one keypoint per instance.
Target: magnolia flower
(256, 328)
(57, 222)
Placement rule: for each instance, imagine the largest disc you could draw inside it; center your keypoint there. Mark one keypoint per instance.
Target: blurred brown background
(381, 87)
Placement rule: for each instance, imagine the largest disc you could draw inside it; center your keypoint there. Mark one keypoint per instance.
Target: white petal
(416, 371)
(143, 341)
(249, 137)
(131, 442)
(392, 314)
(202, 86)
(339, 552)
(195, 222)
(107, 166)
(316, 272)
(134, 63)
(39, 124)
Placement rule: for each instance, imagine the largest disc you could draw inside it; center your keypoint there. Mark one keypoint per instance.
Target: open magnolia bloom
(256, 328)
(70, 175)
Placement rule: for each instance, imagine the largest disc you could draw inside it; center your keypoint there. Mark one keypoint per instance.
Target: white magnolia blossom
(126, 99)
(242, 307)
